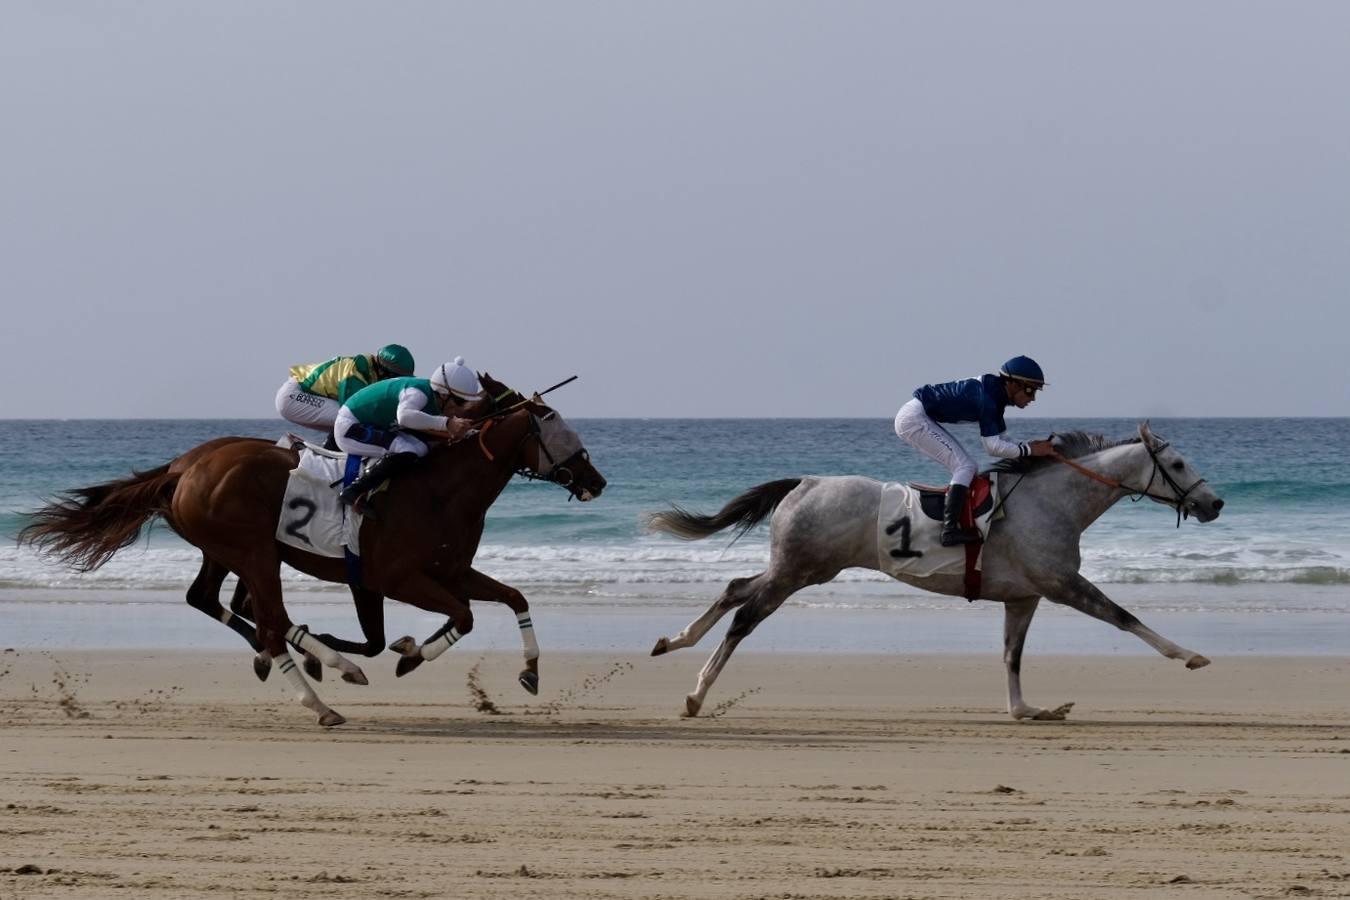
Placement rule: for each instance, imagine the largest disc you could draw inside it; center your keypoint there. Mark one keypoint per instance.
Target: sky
(700, 208)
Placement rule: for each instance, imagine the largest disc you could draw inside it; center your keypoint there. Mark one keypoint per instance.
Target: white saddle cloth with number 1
(312, 518)
(909, 537)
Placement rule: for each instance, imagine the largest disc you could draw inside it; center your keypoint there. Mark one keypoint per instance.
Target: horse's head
(1175, 483)
(552, 450)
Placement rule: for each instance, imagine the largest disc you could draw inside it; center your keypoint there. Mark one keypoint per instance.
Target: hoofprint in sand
(175, 775)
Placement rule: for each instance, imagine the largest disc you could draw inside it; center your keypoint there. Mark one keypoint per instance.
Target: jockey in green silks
(387, 421)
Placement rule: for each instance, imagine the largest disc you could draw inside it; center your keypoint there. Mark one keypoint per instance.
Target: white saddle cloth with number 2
(312, 518)
(909, 539)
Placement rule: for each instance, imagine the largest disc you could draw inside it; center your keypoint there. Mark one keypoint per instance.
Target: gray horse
(822, 525)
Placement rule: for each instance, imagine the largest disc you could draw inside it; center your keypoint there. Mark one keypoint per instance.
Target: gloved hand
(1041, 448)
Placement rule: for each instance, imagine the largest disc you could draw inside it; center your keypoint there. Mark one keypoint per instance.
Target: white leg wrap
(434, 648)
(527, 635)
(303, 692)
(299, 636)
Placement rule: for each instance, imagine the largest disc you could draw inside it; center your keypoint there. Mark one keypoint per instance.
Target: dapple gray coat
(822, 525)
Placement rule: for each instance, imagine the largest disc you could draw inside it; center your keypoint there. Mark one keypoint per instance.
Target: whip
(521, 403)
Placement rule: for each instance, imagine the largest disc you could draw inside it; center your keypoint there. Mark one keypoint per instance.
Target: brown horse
(225, 498)
(204, 594)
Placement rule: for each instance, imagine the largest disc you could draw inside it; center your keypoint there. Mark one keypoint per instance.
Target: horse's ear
(1146, 434)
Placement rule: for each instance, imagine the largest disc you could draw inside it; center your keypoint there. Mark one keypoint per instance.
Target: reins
(1095, 476)
(523, 400)
(1178, 501)
(482, 433)
(493, 418)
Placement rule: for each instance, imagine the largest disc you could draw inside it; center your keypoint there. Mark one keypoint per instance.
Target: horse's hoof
(691, 707)
(1197, 662)
(662, 646)
(262, 666)
(313, 668)
(357, 677)
(530, 681)
(404, 645)
(330, 718)
(406, 664)
(1058, 714)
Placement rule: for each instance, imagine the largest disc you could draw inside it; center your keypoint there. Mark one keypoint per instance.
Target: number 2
(310, 508)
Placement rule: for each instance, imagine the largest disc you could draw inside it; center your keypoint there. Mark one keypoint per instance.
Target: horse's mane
(1069, 444)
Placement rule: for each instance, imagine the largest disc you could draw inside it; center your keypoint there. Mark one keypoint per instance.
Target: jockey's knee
(964, 473)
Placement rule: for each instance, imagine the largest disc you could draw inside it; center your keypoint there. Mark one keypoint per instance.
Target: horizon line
(1019, 418)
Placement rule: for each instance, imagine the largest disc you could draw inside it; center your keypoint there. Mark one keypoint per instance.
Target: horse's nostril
(1218, 504)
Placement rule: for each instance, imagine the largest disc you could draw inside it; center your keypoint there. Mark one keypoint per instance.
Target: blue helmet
(1023, 368)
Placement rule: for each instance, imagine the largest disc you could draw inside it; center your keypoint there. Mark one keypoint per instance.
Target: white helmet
(458, 379)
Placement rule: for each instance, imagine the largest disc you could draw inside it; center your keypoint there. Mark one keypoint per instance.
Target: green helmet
(395, 358)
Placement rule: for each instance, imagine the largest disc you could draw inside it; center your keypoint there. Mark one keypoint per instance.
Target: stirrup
(958, 537)
(349, 497)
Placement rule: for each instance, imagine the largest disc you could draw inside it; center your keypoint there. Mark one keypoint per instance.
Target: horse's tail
(745, 511)
(86, 526)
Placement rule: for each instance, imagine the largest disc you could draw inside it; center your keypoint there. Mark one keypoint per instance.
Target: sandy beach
(812, 776)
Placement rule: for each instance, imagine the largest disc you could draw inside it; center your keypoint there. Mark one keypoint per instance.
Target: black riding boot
(952, 532)
(330, 442)
(385, 467)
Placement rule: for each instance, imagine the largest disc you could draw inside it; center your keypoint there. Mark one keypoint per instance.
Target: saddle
(311, 517)
(918, 552)
(979, 501)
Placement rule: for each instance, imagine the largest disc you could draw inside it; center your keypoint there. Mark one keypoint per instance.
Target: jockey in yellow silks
(314, 393)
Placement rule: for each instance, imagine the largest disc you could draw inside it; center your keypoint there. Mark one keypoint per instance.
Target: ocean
(1278, 555)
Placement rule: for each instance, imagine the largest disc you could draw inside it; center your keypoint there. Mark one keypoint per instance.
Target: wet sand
(810, 776)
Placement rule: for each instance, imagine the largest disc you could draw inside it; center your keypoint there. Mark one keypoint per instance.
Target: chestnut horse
(225, 498)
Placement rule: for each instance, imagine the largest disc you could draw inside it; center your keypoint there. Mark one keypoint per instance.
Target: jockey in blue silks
(970, 400)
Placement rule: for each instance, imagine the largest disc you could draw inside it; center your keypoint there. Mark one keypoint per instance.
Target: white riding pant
(932, 440)
(301, 408)
(402, 443)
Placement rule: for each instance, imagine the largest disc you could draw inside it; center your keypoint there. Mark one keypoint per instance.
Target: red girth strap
(979, 492)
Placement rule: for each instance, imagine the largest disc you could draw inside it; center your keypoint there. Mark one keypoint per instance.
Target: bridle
(1177, 501)
(561, 474)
